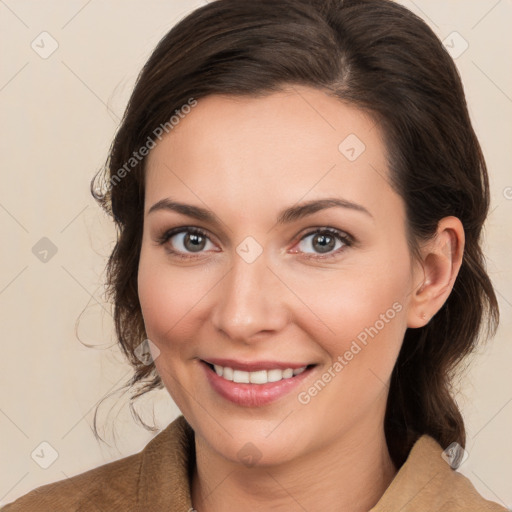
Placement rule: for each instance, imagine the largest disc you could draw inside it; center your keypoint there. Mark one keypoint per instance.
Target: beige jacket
(157, 480)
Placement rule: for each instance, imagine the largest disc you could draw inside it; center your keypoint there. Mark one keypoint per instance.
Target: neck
(350, 475)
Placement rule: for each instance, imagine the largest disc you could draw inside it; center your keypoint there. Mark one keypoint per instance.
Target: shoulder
(122, 484)
(115, 481)
(426, 482)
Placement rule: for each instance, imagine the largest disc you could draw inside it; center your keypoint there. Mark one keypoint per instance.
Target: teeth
(274, 375)
(240, 376)
(287, 373)
(257, 377)
(227, 373)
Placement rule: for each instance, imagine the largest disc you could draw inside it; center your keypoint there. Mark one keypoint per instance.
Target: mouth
(254, 384)
(263, 376)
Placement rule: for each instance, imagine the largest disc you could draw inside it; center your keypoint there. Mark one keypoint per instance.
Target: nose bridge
(249, 301)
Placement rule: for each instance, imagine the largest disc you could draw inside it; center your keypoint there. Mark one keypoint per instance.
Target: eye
(189, 242)
(324, 242)
(184, 242)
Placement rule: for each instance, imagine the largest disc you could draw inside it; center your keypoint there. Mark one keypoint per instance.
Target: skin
(247, 159)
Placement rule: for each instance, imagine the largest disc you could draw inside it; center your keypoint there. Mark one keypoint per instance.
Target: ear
(434, 276)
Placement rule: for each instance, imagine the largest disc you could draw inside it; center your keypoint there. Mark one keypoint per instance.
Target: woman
(300, 195)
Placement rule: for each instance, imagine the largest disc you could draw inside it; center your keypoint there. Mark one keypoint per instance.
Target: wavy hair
(381, 58)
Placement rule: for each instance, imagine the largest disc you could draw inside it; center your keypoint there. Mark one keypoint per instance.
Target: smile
(257, 377)
(254, 384)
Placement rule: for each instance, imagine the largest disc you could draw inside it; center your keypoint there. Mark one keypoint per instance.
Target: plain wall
(59, 115)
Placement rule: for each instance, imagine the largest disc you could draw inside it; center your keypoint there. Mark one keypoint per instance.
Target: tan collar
(166, 467)
(424, 483)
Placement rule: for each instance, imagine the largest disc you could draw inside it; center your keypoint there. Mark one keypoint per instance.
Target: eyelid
(168, 233)
(334, 231)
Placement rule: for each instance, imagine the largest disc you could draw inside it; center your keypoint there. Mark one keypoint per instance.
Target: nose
(250, 301)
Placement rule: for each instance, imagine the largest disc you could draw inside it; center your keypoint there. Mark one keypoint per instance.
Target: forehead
(296, 144)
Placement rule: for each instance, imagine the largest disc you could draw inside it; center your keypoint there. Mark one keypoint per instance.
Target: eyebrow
(286, 216)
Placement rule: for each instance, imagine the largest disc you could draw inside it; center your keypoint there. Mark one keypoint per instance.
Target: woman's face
(269, 284)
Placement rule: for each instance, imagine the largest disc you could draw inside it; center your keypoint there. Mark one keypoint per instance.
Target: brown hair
(381, 58)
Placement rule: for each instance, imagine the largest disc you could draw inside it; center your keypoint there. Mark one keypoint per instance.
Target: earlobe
(440, 265)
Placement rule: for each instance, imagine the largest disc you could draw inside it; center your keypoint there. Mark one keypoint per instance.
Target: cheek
(363, 322)
(167, 296)
(167, 301)
(353, 304)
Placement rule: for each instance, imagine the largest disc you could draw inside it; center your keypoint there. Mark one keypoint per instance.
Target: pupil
(195, 239)
(322, 240)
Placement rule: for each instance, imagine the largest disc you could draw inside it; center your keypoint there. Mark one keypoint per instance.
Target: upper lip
(251, 366)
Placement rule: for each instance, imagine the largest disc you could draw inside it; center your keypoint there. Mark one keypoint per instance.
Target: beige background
(59, 115)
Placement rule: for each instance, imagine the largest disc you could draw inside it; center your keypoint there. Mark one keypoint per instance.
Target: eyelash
(343, 237)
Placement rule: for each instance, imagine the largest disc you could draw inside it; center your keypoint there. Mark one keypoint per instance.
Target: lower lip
(253, 395)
